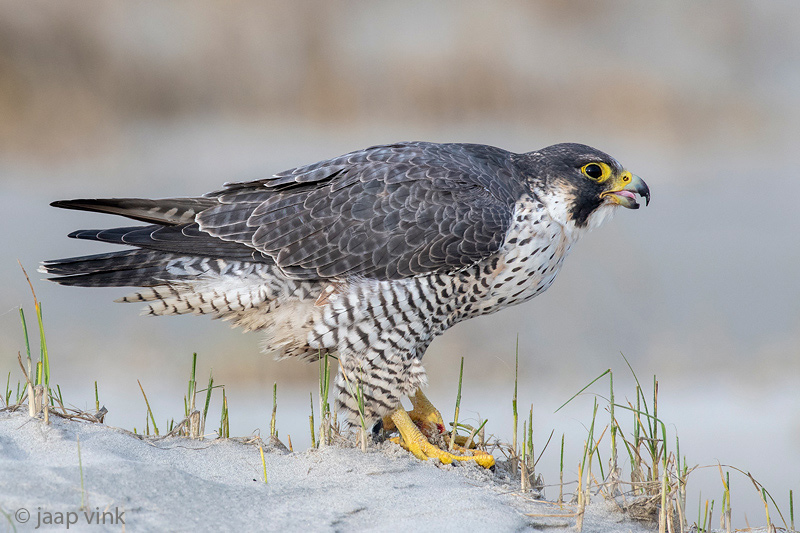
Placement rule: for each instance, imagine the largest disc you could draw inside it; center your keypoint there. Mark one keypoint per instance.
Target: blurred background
(170, 98)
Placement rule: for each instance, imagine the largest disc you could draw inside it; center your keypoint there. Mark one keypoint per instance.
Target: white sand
(179, 484)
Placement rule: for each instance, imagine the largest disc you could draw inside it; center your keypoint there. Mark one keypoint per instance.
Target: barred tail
(130, 268)
(246, 293)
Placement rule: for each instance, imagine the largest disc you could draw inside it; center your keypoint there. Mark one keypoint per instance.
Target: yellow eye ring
(596, 171)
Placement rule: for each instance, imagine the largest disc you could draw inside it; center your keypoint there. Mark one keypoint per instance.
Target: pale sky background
(702, 100)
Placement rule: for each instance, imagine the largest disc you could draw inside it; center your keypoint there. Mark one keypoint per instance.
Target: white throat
(557, 205)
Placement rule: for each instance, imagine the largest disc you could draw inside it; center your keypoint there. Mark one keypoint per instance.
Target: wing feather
(386, 212)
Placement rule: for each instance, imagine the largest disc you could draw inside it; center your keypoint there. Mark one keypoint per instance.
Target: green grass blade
(458, 407)
(149, 411)
(263, 463)
(45, 358)
(613, 426)
(7, 396)
(208, 401)
(25, 334)
(561, 474)
(581, 391)
(590, 438)
(654, 429)
(530, 441)
(311, 420)
(636, 428)
(192, 387)
(324, 405)
(224, 431)
(272, 431)
(514, 401)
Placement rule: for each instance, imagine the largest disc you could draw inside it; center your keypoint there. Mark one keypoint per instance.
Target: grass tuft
(36, 394)
(656, 491)
(655, 478)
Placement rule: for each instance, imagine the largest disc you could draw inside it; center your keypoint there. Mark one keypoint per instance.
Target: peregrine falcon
(369, 256)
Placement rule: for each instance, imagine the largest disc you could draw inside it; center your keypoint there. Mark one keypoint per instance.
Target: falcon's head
(583, 185)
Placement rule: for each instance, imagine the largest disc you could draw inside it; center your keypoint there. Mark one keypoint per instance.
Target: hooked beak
(624, 189)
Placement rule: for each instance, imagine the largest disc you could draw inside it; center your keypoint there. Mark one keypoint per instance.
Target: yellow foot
(428, 420)
(425, 416)
(412, 439)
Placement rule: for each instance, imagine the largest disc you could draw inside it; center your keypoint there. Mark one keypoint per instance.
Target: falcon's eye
(596, 171)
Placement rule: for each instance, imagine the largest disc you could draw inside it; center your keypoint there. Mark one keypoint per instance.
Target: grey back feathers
(386, 212)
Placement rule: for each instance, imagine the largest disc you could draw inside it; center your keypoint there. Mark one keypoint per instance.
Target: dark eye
(598, 171)
(593, 170)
